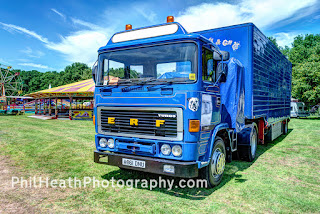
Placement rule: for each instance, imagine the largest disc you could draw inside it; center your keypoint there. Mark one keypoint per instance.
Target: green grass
(284, 178)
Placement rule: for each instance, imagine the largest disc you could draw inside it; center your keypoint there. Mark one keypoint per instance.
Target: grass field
(284, 178)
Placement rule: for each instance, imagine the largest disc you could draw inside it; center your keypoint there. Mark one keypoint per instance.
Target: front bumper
(152, 165)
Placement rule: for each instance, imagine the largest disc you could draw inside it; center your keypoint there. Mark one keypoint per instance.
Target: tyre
(285, 128)
(214, 171)
(248, 143)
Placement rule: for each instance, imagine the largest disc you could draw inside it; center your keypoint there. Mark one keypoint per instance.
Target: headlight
(103, 142)
(177, 150)
(111, 143)
(166, 149)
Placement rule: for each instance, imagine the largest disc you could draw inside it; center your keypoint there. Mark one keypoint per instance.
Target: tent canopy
(84, 88)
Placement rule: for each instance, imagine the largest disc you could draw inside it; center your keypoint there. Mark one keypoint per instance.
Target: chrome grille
(146, 127)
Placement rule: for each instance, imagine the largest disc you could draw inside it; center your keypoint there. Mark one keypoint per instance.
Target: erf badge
(193, 104)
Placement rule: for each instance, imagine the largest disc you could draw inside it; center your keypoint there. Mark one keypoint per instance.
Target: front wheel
(214, 171)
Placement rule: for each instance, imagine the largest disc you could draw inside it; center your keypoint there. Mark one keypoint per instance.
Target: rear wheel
(253, 144)
(249, 140)
(214, 171)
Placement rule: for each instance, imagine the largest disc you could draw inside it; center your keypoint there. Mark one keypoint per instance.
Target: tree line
(305, 58)
(35, 81)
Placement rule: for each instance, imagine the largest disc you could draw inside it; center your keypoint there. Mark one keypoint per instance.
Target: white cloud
(12, 28)
(34, 65)
(32, 53)
(59, 13)
(316, 17)
(23, 60)
(146, 13)
(285, 39)
(81, 46)
(85, 24)
(3, 61)
(263, 13)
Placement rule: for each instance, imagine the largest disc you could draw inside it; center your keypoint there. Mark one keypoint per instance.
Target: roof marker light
(128, 27)
(170, 19)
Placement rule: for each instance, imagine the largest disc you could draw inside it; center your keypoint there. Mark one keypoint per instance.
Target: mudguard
(219, 127)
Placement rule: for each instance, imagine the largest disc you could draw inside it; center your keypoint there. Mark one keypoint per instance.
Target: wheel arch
(220, 130)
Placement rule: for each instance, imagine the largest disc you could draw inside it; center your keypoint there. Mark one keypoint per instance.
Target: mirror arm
(216, 82)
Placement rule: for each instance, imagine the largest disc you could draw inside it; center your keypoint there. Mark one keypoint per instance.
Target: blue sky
(49, 35)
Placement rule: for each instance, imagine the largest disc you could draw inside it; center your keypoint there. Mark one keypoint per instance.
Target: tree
(75, 72)
(284, 50)
(35, 81)
(305, 58)
(273, 40)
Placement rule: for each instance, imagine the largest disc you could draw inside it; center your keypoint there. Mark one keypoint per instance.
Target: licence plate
(133, 163)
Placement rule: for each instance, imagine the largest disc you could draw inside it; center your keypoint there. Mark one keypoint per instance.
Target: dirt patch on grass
(14, 199)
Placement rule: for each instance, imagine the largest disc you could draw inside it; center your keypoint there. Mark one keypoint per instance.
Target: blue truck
(183, 104)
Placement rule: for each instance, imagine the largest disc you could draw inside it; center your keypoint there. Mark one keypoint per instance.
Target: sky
(48, 35)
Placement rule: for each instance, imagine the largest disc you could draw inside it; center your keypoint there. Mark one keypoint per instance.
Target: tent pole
(49, 106)
(35, 106)
(70, 108)
(56, 108)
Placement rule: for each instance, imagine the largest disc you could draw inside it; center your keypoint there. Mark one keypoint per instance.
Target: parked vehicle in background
(315, 110)
(175, 103)
(299, 109)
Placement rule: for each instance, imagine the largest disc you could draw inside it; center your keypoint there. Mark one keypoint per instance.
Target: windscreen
(162, 63)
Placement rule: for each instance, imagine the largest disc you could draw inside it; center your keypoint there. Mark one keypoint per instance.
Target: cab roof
(151, 35)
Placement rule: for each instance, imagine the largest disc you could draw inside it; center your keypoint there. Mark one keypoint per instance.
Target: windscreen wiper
(124, 82)
(109, 87)
(164, 83)
(139, 85)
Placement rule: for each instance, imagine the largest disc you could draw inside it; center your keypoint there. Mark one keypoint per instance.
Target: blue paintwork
(213, 134)
(267, 70)
(188, 148)
(198, 146)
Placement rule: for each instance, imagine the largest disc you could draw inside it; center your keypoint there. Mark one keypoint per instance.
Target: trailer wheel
(214, 171)
(253, 144)
(249, 143)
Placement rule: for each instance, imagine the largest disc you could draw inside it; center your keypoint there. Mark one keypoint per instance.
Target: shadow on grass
(231, 172)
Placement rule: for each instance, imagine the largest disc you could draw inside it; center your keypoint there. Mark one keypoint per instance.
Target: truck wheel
(253, 144)
(285, 128)
(214, 171)
(249, 143)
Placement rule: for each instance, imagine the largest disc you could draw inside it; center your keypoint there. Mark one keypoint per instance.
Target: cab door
(210, 98)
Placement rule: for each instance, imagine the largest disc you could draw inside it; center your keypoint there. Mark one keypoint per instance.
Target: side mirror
(222, 72)
(224, 54)
(94, 70)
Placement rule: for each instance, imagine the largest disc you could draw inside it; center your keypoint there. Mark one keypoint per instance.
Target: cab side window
(208, 65)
